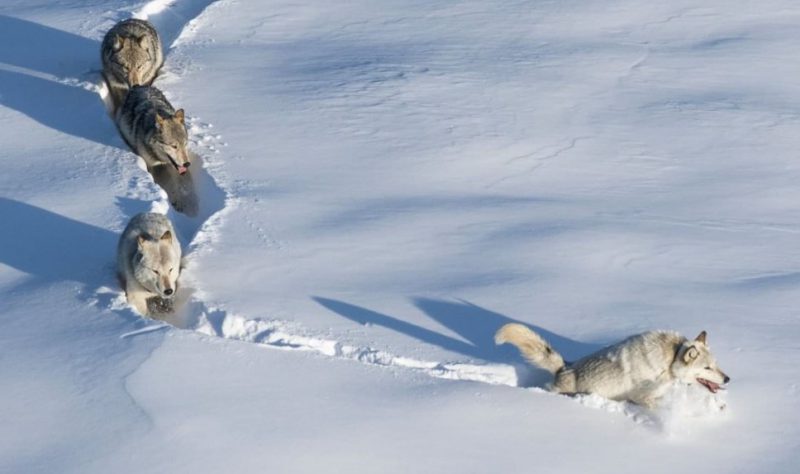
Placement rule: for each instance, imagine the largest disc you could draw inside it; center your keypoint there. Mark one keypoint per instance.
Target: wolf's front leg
(138, 299)
(649, 394)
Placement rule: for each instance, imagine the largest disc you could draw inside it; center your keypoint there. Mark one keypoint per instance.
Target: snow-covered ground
(384, 184)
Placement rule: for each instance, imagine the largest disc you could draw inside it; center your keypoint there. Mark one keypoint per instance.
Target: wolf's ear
(701, 337)
(159, 121)
(167, 236)
(179, 115)
(142, 239)
(690, 354)
(117, 44)
(140, 40)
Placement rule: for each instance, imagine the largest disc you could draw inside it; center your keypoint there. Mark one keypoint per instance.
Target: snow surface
(383, 185)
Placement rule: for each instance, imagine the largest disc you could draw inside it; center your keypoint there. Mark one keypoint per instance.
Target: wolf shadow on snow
(29, 83)
(29, 79)
(476, 327)
(50, 247)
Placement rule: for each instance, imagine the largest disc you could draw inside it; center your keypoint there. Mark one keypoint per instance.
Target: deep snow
(383, 186)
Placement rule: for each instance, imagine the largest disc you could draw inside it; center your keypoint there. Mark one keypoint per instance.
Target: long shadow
(478, 325)
(67, 109)
(364, 316)
(47, 50)
(33, 57)
(474, 324)
(51, 247)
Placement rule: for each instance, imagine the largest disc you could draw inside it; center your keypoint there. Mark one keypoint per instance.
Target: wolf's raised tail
(531, 345)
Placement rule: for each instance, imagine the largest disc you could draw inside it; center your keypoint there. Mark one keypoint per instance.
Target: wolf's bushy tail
(531, 345)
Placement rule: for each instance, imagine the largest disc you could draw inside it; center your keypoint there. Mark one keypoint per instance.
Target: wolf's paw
(157, 305)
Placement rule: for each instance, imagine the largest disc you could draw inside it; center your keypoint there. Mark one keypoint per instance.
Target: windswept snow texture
(383, 185)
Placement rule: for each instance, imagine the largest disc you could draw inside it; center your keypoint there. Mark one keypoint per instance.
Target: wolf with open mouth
(639, 369)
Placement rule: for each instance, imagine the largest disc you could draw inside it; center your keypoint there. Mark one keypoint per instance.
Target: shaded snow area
(382, 186)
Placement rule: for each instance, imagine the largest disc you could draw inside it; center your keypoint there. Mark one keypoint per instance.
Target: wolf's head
(694, 364)
(158, 264)
(132, 58)
(171, 140)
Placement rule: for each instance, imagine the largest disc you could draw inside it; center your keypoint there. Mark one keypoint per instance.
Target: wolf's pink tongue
(182, 169)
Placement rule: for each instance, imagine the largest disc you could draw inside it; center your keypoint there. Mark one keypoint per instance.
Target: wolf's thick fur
(639, 368)
(132, 56)
(153, 128)
(149, 263)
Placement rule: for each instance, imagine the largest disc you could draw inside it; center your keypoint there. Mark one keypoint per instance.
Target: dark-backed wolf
(154, 129)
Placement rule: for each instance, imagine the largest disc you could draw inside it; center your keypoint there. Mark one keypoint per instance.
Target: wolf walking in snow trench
(149, 263)
(132, 56)
(639, 369)
(153, 129)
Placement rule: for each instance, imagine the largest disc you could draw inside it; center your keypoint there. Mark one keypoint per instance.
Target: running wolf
(153, 129)
(639, 369)
(149, 263)
(132, 56)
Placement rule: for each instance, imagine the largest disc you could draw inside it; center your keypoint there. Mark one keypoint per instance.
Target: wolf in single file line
(149, 263)
(153, 129)
(132, 56)
(639, 369)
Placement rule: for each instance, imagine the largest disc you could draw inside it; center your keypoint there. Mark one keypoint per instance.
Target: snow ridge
(200, 233)
(277, 334)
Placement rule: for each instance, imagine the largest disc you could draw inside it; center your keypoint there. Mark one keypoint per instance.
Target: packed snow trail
(177, 21)
(396, 180)
(171, 18)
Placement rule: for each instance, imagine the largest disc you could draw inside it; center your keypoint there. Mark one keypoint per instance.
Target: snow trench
(208, 204)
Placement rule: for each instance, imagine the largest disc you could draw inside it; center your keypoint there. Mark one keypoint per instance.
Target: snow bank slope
(396, 181)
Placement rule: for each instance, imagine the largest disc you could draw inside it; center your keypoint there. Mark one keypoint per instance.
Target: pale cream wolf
(149, 263)
(132, 56)
(153, 129)
(639, 369)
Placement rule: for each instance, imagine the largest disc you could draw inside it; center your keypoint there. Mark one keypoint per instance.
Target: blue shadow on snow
(25, 87)
(52, 247)
(46, 50)
(476, 325)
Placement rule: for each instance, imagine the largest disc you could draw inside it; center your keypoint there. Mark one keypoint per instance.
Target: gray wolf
(149, 263)
(639, 369)
(153, 129)
(131, 55)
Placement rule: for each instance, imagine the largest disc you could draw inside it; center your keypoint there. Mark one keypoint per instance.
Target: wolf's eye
(708, 368)
(156, 272)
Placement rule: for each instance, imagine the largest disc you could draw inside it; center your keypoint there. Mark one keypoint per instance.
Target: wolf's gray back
(131, 54)
(136, 118)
